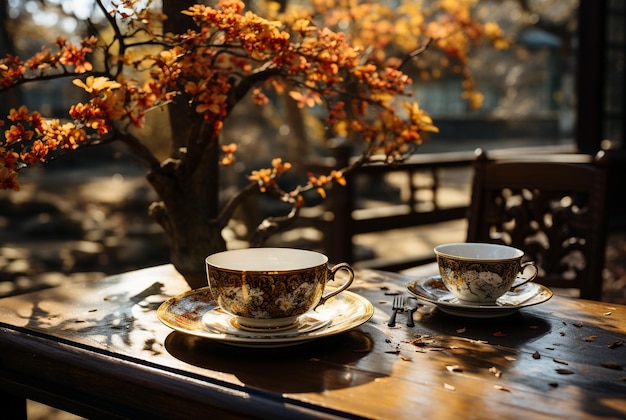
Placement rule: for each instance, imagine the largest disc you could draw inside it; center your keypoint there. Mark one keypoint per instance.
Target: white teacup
(271, 287)
(481, 272)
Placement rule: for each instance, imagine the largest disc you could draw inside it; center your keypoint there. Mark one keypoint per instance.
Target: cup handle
(344, 286)
(523, 280)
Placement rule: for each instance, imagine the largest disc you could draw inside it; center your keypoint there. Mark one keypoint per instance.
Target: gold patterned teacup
(271, 287)
(481, 272)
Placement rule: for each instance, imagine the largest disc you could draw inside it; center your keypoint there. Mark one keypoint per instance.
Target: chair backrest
(553, 207)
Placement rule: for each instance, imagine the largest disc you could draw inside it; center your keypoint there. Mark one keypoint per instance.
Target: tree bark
(189, 206)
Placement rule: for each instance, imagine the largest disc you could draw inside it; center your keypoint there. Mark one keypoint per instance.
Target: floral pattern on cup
(265, 295)
(481, 276)
(271, 287)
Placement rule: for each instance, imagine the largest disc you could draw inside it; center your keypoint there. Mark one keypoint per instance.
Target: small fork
(397, 306)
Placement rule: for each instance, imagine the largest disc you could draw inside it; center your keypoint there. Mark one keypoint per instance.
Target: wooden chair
(553, 207)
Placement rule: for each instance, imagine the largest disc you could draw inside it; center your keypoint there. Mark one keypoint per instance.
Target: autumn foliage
(233, 52)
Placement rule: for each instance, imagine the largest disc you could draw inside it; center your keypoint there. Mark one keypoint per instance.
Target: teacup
(481, 272)
(271, 287)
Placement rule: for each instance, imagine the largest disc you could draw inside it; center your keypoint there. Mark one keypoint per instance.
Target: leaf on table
(501, 388)
(564, 371)
(454, 368)
(579, 324)
(405, 358)
(495, 371)
(422, 341)
(449, 387)
(591, 338)
(563, 362)
(612, 365)
(536, 355)
(510, 358)
(616, 344)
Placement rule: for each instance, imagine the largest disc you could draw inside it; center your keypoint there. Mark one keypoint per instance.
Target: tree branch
(138, 148)
(416, 52)
(233, 203)
(272, 225)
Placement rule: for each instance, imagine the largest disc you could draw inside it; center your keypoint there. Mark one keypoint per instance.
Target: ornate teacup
(271, 287)
(480, 272)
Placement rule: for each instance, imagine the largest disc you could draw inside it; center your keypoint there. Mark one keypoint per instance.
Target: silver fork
(397, 306)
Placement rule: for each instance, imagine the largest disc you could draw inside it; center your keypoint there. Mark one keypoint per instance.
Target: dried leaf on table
(510, 358)
(579, 324)
(501, 388)
(612, 365)
(495, 371)
(616, 344)
(406, 358)
(591, 338)
(564, 371)
(536, 355)
(563, 362)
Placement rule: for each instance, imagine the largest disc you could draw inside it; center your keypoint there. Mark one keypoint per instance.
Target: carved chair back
(552, 207)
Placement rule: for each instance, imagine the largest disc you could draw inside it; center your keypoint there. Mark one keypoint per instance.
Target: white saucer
(432, 290)
(196, 313)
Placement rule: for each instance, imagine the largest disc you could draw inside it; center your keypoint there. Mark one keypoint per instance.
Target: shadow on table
(315, 366)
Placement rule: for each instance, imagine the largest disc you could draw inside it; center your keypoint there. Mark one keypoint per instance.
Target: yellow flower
(96, 84)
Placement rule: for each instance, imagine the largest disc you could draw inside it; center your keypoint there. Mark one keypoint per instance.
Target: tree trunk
(191, 234)
(189, 206)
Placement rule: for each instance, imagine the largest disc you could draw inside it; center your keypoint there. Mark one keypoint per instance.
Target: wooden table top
(98, 349)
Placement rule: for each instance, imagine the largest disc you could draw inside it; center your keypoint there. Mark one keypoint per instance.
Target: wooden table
(97, 349)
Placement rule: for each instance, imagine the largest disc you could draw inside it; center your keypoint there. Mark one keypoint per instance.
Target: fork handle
(392, 320)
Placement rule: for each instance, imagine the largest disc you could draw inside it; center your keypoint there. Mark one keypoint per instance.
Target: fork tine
(397, 305)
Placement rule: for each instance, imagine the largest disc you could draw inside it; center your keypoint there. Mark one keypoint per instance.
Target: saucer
(196, 313)
(432, 290)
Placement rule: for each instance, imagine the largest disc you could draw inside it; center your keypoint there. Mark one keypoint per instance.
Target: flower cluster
(233, 52)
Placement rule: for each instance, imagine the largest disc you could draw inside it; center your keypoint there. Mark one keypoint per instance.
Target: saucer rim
(477, 310)
(195, 325)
